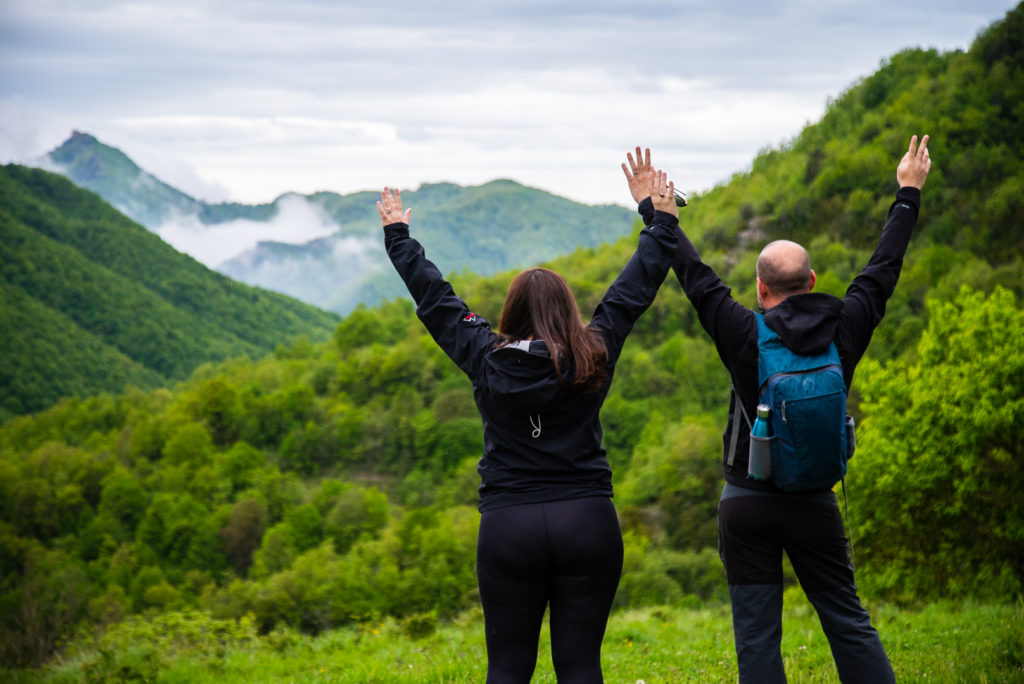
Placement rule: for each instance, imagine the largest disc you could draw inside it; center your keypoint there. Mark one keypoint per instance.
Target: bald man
(757, 521)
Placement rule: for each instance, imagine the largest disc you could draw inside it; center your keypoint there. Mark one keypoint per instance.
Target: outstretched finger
(658, 183)
(912, 149)
(647, 156)
(380, 210)
(923, 150)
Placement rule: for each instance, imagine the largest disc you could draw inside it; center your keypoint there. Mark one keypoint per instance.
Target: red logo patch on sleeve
(469, 318)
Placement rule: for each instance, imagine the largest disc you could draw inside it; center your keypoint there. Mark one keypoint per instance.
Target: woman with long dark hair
(549, 534)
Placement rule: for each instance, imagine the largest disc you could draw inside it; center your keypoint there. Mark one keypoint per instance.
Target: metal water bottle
(759, 463)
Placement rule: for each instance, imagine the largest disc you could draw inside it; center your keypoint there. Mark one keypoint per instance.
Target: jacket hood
(521, 376)
(806, 323)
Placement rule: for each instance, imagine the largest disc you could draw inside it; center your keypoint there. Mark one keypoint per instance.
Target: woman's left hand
(638, 174)
(390, 208)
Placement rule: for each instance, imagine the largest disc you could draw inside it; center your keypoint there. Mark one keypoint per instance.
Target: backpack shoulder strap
(771, 352)
(763, 332)
(737, 411)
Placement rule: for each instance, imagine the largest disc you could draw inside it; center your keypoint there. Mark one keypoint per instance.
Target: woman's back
(542, 436)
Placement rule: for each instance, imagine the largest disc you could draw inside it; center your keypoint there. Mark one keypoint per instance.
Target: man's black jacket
(806, 323)
(542, 442)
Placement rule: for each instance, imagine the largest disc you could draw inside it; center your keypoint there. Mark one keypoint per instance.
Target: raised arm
(865, 300)
(458, 331)
(635, 287)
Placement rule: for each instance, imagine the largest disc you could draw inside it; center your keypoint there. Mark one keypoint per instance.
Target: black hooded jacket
(806, 323)
(542, 441)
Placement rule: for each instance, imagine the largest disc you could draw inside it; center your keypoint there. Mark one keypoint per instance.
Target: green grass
(937, 643)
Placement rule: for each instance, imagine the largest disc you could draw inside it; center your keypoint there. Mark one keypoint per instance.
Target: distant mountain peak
(112, 174)
(85, 150)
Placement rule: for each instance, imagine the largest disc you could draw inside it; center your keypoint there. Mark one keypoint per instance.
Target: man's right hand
(914, 167)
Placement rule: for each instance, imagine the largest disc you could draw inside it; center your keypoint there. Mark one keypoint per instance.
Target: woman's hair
(540, 305)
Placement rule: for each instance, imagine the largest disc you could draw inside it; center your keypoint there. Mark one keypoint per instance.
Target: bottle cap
(763, 411)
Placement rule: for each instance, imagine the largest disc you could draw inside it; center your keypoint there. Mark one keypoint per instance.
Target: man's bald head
(784, 268)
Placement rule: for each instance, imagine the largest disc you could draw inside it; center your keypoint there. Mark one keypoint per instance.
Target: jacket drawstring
(536, 426)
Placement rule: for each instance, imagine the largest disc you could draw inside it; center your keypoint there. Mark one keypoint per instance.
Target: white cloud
(297, 222)
(26, 130)
(321, 275)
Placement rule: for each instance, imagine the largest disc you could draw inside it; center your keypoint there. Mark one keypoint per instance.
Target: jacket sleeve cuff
(396, 229)
(662, 218)
(910, 194)
(646, 210)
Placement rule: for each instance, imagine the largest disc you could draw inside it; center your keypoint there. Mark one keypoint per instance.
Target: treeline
(335, 482)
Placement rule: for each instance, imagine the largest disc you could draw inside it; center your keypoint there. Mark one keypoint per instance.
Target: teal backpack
(812, 437)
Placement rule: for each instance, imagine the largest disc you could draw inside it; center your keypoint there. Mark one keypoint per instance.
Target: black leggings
(566, 553)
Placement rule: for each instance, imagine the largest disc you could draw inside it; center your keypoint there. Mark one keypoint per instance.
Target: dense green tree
(933, 482)
(306, 525)
(355, 512)
(277, 551)
(123, 498)
(41, 603)
(189, 445)
(242, 534)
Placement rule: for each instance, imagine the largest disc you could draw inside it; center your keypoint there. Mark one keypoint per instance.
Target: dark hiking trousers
(754, 529)
(564, 553)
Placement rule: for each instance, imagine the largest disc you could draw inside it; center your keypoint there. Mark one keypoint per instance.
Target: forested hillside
(93, 302)
(335, 483)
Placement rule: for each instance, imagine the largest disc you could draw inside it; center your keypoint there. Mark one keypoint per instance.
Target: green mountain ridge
(488, 228)
(94, 280)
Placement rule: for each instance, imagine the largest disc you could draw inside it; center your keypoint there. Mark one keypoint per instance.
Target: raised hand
(662, 192)
(638, 174)
(913, 168)
(390, 208)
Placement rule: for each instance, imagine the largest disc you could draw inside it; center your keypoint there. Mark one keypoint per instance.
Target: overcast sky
(245, 100)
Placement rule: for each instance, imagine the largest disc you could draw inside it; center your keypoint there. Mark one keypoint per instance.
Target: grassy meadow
(941, 642)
